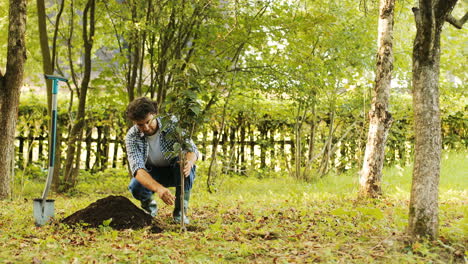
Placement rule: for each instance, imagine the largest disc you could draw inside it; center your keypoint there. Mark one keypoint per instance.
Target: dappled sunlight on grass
(454, 172)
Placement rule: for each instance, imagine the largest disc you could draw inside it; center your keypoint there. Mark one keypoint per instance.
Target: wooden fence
(106, 150)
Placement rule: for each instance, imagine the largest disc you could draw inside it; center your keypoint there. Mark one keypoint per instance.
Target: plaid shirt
(137, 145)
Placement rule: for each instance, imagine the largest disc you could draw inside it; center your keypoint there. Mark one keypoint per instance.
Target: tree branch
(457, 23)
(69, 49)
(443, 9)
(54, 40)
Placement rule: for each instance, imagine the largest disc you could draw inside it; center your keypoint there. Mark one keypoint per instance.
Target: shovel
(43, 208)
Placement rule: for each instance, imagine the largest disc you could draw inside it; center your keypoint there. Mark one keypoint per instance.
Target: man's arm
(134, 148)
(145, 179)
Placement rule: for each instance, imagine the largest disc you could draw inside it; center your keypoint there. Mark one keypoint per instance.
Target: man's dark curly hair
(139, 108)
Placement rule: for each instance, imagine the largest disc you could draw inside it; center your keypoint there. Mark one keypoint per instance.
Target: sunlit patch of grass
(454, 171)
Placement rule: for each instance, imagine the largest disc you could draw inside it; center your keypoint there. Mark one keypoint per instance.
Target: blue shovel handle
(55, 77)
(55, 80)
(53, 129)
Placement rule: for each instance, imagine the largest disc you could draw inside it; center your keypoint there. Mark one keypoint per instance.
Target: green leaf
(107, 222)
(177, 147)
(195, 109)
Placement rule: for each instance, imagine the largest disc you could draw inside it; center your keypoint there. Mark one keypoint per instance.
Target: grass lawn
(249, 220)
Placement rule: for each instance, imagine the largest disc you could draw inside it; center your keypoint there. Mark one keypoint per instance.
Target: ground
(250, 220)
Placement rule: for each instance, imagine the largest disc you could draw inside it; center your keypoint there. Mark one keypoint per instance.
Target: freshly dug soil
(124, 214)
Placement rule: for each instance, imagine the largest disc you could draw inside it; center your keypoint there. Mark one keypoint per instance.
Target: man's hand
(190, 159)
(166, 195)
(187, 167)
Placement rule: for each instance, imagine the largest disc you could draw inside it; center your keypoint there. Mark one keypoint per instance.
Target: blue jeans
(167, 177)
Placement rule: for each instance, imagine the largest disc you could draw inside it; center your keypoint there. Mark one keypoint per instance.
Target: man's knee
(139, 191)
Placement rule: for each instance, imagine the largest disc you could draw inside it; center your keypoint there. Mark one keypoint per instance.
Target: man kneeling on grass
(148, 150)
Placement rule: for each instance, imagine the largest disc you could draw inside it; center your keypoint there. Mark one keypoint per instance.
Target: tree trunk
(224, 143)
(48, 59)
(380, 118)
(116, 152)
(210, 181)
(232, 148)
(298, 150)
(272, 150)
(151, 50)
(423, 208)
(88, 140)
(140, 67)
(97, 162)
(214, 141)
(44, 41)
(21, 151)
(242, 148)
(133, 67)
(10, 87)
(74, 140)
(312, 134)
(75, 136)
(293, 151)
(324, 166)
(205, 139)
(211, 175)
(252, 146)
(30, 145)
(105, 148)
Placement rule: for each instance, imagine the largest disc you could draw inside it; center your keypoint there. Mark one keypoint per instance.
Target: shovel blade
(43, 211)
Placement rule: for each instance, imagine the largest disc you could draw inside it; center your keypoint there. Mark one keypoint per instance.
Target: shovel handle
(48, 183)
(55, 79)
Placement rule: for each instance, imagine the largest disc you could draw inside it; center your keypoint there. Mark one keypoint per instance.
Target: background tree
(303, 73)
(380, 118)
(72, 163)
(10, 85)
(429, 16)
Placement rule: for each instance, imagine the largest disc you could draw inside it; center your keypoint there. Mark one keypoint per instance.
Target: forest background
(276, 88)
(263, 79)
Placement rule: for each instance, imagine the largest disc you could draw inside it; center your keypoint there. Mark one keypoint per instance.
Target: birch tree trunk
(423, 208)
(380, 118)
(10, 87)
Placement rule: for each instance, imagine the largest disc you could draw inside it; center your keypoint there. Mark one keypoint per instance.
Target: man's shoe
(150, 207)
(177, 219)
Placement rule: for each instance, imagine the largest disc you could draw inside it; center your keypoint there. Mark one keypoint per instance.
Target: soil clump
(124, 214)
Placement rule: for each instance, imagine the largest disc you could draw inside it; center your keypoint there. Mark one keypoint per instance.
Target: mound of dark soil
(124, 214)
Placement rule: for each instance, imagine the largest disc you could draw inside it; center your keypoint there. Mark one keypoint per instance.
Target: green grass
(248, 220)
